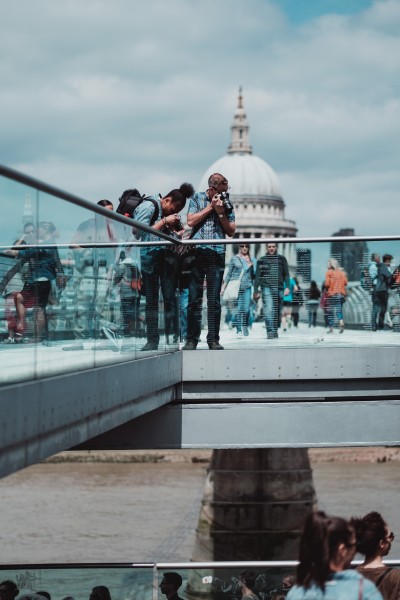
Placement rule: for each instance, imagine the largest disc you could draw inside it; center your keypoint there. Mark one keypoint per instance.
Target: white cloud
(99, 96)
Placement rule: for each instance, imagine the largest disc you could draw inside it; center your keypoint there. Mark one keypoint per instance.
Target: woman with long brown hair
(327, 547)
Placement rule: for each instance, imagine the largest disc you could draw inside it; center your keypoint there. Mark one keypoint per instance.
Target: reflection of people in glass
(93, 272)
(127, 277)
(44, 268)
(247, 582)
(170, 584)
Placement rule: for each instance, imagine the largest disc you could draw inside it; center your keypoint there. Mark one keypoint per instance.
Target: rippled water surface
(138, 512)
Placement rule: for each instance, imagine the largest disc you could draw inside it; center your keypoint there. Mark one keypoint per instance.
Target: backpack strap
(381, 577)
(156, 211)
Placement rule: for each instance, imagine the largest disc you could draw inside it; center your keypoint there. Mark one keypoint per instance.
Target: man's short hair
(173, 578)
(386, 257)
(215, 179)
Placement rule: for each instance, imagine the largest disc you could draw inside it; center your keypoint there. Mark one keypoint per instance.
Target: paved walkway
(27, 361)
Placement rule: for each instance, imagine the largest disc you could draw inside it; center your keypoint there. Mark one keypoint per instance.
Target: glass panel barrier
(79, 290)
(77, 582)
(195, 581)
(289, 296)
(71, 295)
(222, 582)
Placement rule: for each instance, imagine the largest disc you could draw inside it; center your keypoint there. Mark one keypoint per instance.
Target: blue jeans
(183, 305)
(209, 265)
(272, 300)
(242, 309)
(159, 269)
(335, 304)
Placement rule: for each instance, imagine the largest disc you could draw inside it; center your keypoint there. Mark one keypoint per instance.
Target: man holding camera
(212, 216)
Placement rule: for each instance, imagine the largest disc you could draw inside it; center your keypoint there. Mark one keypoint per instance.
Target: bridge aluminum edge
(260, 425)
(290, 363)
(43, 417)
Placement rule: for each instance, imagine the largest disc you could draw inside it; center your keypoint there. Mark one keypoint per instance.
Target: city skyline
(99, 97)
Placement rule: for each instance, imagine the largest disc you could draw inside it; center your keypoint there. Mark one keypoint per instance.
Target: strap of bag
(361, 588)
(381, 577)
(196, 228)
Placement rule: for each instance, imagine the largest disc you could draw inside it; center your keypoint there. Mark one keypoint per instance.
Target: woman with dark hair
(160, 267)
(247, 582)
(374, 540)
(327, 547)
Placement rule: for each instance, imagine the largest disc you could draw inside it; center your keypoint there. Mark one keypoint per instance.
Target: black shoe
(190, 345)
(149, 346)
(215, 346)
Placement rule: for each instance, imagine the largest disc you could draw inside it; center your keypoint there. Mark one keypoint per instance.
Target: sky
(100, 96)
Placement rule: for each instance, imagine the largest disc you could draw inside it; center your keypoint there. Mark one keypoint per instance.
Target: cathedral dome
(248, 176)
(255, 190)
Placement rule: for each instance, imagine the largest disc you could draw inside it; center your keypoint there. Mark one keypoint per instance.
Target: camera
(226, 202)
(178, 225)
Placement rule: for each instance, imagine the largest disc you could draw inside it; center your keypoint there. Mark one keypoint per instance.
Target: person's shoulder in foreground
(344, 585)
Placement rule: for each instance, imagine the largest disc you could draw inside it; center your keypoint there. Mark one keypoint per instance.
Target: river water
(139, 512)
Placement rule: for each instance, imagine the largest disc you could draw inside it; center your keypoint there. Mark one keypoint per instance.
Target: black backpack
(129, 202)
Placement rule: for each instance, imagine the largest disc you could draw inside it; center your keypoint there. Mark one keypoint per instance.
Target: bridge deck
(306, 388)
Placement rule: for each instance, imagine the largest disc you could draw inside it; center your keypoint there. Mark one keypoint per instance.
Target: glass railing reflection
(208, 581)
(78, 582)
(80, 283)
(70, 281)
(103, 299)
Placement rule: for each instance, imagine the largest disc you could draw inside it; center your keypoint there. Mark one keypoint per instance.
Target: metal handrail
(54, 191)
(177, 565)
(49, 189)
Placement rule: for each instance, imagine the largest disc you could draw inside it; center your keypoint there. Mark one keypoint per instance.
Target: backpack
(129, 202)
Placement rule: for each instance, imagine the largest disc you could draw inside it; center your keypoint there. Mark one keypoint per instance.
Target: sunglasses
(242, 246)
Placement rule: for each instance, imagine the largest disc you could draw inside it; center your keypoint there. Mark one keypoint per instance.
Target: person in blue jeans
(214, 220)
(159, 269)
(327, 547)
(241, 266)
(272, 276)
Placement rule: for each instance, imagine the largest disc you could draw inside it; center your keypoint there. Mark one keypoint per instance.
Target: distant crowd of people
(98, 273)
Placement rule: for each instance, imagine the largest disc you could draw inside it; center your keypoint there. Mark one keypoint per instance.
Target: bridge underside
(274, 398)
